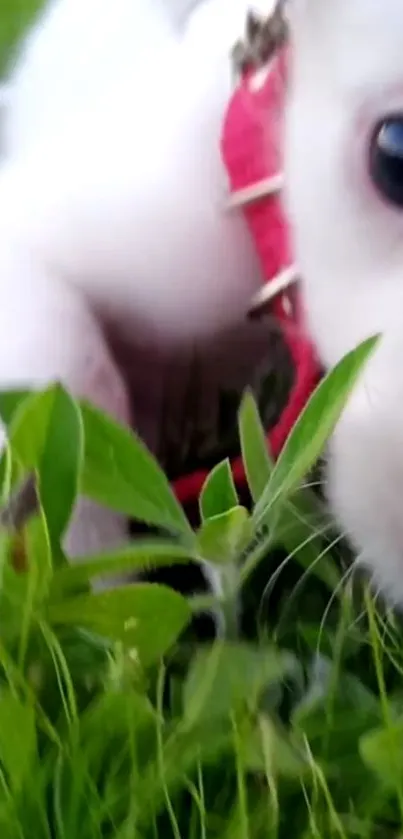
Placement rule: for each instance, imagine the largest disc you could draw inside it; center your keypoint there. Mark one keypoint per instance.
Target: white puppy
(344, 170)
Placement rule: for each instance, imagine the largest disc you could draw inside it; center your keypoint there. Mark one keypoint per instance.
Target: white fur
(49, 333)
(348, 73)
(111, 192)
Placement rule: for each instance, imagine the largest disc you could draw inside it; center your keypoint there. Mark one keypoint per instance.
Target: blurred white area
(182, 8)
(206, 26)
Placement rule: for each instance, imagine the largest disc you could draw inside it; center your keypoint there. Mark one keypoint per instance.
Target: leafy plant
(108, 727)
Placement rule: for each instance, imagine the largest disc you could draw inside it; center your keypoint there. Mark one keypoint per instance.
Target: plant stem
(230, 612)
(229, 603)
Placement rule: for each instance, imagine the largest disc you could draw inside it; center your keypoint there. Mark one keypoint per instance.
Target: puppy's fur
(347, 74)
(111, 199)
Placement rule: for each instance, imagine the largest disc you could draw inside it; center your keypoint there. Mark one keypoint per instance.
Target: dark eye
(386, 159)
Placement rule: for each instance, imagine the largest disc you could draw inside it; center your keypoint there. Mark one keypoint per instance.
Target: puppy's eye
(386, 159)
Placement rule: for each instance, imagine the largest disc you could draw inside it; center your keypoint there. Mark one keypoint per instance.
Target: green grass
(114, 722)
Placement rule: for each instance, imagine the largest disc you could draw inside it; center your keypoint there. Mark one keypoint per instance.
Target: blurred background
(16, 15)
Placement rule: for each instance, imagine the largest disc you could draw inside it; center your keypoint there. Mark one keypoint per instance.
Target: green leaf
(26, 569)
(382, 751)
(147, 618)
(38, 551)
(15, 17)
(226, 676)
(264, 748)
(218, 493)
(13, 591)
(115, 713)
(30, 557)
(10, 402)
(61, 463)
(222, 537)
(121, 473)
(17, 738)
(141, 555)
(254, 447)
(312, 430)
(46, 435)
(121, 715)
